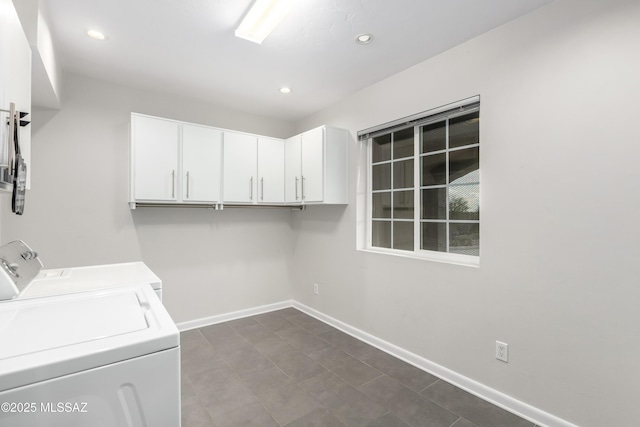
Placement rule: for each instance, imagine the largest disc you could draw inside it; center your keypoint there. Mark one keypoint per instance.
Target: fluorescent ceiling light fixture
(285, 89)
(262, 18)
(96, 35)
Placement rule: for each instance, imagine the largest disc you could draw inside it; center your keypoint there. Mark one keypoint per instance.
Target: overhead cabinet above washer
(176, 163)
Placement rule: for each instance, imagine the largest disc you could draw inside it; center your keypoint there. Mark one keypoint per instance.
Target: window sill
(447, 258)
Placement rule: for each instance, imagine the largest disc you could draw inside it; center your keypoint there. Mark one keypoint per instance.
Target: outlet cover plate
(502, 351)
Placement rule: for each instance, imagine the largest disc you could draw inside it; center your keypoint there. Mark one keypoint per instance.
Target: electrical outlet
(316, 289)
(502, 351)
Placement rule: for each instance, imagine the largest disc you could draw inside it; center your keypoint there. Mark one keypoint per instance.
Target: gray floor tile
(187, 390)
(412, 377)
(274, 322)
(388, 420)
(287, 403)
(255, 332)
(272, 345)
(227, 346)
(209, 379)
(190, 335)
(330, 357)
(406, 404)
(252, 415)
(355, 372)
(303, 340)
(382, 389)
(247, 360)
(288, 312)
(310, 324)
(463, 423)
(348, 404)
(265, 379)
(194, 415)
(297, 365)
(317, 418)
(472, 408)
(217, 332)
(293, 330)
(346, 343)
(197, 356)
(239, 323)
(225, 397)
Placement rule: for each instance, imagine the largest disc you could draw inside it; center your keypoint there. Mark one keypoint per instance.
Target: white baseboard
(207, 321)
(508, 403)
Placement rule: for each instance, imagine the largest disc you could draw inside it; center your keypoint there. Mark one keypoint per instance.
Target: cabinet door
(201, 163)
(270, 170)
(313, 165)
(15, 81)
(155, 158)
(240, 166)
(292, 170)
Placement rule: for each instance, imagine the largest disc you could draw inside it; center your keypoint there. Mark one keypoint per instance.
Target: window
(424, 184)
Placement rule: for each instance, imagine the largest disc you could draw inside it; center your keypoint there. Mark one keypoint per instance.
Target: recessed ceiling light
(285, 90)
(96, 35)
(364, 38)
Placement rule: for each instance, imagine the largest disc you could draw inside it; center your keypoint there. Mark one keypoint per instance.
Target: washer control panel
(19, 265)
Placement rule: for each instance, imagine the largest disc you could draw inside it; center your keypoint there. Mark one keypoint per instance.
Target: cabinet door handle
(10, 141)
(262, 188)
(251, 188)
(297, 196)
(187, 184)
(303, 180)
(173, 184)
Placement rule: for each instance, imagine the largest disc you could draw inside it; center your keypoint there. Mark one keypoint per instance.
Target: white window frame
(417, 121)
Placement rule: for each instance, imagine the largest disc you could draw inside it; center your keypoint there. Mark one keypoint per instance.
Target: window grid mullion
(447, 186)
(417, 193)
(392, 191)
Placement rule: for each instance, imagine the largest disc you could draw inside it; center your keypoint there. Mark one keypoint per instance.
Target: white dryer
(80, 279)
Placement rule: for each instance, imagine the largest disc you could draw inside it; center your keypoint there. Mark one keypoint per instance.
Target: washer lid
(49, 337)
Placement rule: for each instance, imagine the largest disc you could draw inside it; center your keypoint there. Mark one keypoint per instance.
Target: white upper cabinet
(316, 167)
(293, 169)
(177, 162)
(15, 82)
(201, 163)
(270, 170)
(312, 158)
(154, 155)
(174, 162)
(240, 168)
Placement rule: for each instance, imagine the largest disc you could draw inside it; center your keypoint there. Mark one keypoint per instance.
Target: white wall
(77, 213)
(559, 271)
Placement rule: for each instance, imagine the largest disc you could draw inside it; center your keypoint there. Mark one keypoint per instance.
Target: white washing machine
(100, 358)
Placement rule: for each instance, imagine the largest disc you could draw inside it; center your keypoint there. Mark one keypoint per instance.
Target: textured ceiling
(188, 47)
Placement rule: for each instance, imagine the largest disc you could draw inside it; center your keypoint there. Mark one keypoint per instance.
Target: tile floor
(286, 368)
